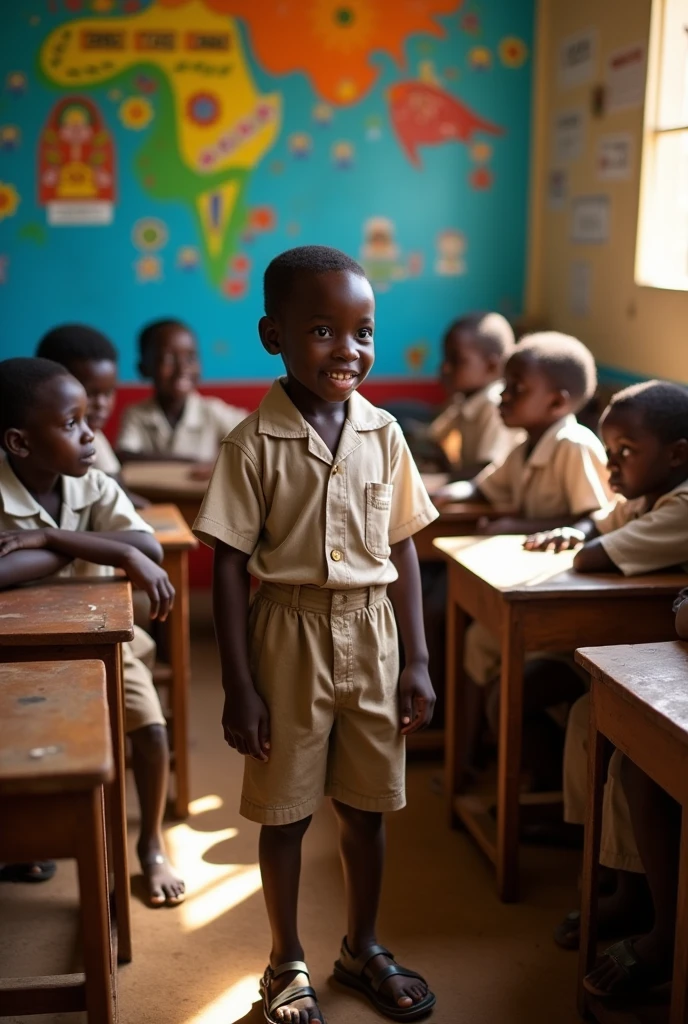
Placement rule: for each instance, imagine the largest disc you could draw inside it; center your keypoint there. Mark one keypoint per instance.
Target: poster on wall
(590, 220)
(577, 59)
(625, 78)
(614, 160)
(568, 136)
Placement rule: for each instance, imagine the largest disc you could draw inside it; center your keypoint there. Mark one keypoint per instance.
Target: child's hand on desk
(564, 539)
(201, 471)
(22, 540)
(150, 577)
(246, 723)
(416, 698)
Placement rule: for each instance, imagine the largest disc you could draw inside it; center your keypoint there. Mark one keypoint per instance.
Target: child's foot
(615, 917)
(395, 991)
(398, 989)
(165, 887)
(278, 984)
(632, 965)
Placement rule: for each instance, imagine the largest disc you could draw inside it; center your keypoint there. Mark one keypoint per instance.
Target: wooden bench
(55, 757)
(177, 540)
(72, 619)
(639, 703)
(532, 601)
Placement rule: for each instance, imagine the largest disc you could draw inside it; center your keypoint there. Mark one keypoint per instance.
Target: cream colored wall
(641, 331)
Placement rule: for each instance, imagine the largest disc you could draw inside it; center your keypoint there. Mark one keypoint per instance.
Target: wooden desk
(459, 520)
(55, 758)
(639, 702)
(177, 540)
(167, 483)
(69, 619)
(533, 601)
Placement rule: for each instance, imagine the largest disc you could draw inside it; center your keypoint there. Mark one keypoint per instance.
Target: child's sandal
(288, 995)
(349, 970)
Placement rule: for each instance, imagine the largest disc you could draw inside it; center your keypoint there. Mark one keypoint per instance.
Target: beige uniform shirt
(92, 502)
(638, 540)
(471, 430)
(197, 436)
(564, 475)
(105, 456)
(305, 516)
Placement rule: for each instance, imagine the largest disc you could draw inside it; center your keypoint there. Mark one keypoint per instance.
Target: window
(662, 250)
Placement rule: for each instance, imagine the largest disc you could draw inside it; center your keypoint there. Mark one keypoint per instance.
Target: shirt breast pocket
(378, 511)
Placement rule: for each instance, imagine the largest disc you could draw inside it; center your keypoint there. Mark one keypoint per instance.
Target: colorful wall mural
(154, 156)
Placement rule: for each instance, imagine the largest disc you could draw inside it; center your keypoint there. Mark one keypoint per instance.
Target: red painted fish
(424, 115)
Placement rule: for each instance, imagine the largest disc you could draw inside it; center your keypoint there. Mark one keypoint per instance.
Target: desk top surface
(519, 575)
(170, 527)
(56, 732)
(169, 480)
(654, 676)
(69, 611)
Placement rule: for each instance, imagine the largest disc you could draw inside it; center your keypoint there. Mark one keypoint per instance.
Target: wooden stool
(638, 702)
(55, 756)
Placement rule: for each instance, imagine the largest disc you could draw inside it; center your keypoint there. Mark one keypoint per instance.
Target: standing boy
(317, 496)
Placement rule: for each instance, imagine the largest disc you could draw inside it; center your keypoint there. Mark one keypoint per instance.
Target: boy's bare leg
(362, 848)
(279, 853)
(151, 764)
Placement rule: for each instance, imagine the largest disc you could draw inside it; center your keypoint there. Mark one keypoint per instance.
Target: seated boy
(645, 431)
(176, 424)
(470, 431)
(60, 516)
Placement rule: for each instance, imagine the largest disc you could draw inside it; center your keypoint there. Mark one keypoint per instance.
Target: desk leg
(591, 851)
(509, 755)
(95, 917)
(115, 798)
(454, 731)
(177, 566)
(679, 989)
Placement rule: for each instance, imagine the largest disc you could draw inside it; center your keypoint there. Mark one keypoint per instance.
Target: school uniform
(637, 540)
(92, 502)
(203, 424)
(564, 475)
(106, 460)
(471, 431)
(322, 639)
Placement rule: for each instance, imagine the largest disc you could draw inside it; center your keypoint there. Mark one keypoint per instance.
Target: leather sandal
(288, 995)
(637, 976)
(349, 970)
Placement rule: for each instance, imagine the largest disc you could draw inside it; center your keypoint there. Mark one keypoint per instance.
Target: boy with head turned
(317, 496)
(176, 423)
(645, 432)
(60, 516)
(470, 430)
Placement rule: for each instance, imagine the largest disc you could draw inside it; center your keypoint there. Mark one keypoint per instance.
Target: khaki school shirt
(305, 516)
(197, 436)
(564, 475)
(105, 456)
(92, 502)
(640, 540)
(471, 430)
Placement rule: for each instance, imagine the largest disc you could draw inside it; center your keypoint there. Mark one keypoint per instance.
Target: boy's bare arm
(593, 558)
(416, 695)
(245, 718)
(27, 566)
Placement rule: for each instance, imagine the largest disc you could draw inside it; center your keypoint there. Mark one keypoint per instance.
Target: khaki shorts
(326, 663)
(141, 701)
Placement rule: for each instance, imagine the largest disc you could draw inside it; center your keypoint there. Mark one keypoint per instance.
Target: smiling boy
(316, 495)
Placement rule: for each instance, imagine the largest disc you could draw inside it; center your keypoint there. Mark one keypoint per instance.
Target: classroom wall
(634, 331)
(155, 155)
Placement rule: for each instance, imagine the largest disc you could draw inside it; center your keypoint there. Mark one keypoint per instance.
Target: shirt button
(336, 555)
(335, 470)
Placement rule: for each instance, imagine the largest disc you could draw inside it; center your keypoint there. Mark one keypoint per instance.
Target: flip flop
(38, 871)
(349, 970)
(288, 995)
(636, 975)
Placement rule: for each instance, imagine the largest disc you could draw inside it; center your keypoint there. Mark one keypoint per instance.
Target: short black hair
(148, 337)
(305, 259)
(566, 362)
(71, 343)
(662, 406)
(493, 333)
(20, 381)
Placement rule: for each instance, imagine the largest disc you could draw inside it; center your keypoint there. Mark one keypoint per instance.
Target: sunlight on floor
(231, 1005)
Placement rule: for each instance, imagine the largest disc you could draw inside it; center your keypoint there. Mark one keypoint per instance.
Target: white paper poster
(557, 189)
(568, 135)
(590, 220)
(625, 78)
(614, 158)
(580, 288)
(577, 61)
